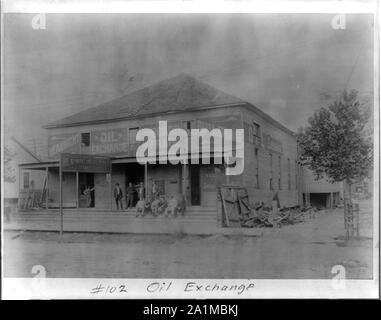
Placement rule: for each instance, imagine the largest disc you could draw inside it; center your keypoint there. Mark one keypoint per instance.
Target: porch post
(77, 186)
(19, 191)
(145, 180)
(184, 167)
(226, 169)
(47, 189)
(19, 179)
(61, 200)
(110, 185)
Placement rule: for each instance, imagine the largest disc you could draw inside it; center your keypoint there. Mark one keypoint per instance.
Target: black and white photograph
(162, 154)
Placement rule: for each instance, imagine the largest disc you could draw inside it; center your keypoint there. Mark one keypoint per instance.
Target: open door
(195, 184)
(86, 180)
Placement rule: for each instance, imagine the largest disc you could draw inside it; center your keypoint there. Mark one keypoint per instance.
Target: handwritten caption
(165, 287)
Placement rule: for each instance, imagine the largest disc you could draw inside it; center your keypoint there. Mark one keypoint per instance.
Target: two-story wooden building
(270, 149)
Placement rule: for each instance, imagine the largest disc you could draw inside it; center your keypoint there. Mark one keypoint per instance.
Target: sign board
(102, 142)
(85, 163)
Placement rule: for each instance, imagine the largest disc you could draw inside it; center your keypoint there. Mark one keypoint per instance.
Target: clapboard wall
(274, 142)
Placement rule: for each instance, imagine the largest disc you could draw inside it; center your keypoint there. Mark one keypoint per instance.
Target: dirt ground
(305, 250)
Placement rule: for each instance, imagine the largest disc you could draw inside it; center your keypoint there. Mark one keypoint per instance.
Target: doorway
(86, 180)
(134, 174)
(194, 174)
(320, 200)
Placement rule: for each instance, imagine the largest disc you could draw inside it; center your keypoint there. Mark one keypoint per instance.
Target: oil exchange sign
(85, 163)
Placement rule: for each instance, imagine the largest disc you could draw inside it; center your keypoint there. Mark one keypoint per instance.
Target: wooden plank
(235, 203)
(224, 209)
(245, 203)
(43, 192)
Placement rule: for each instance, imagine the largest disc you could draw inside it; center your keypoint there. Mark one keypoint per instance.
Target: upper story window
(187, 125)
(85, 139)
(271, 163)
(250, 131)
(256, 183)
(271, 172)
(289, 174)
(257, 133)
(132, 135)
(280, 172)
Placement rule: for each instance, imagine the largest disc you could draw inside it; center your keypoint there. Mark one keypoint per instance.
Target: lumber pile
(237, 211)
(262, 216)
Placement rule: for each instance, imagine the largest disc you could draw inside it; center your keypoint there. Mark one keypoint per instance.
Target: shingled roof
(180, 93)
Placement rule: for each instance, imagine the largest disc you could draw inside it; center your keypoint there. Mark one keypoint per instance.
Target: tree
(335, 142)
(9, 170)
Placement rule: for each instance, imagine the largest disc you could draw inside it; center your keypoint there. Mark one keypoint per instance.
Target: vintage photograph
(189, 146)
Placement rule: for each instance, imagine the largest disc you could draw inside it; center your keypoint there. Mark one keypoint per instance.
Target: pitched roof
(180, 93)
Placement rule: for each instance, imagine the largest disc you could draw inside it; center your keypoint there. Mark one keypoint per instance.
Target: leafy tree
(335, 143)
(9, 170)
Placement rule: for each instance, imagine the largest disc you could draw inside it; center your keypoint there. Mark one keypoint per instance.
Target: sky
(285, 64)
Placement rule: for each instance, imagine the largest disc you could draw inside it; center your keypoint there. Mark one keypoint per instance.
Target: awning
(39, 165)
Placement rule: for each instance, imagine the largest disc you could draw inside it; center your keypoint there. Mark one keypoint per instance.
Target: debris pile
(262, 216)
(238, 212)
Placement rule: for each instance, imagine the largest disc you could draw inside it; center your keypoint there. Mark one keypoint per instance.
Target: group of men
(130, 194)
(155, 204)
(159, 206)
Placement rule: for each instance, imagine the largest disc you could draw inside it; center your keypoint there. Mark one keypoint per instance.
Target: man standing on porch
(154, 190)
(130, 195)
(141, 191)
(118, 195)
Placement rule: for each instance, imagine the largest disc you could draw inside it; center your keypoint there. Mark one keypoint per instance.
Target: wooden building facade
(270, 149)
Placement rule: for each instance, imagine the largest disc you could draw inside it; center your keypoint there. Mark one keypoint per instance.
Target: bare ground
(305, 250)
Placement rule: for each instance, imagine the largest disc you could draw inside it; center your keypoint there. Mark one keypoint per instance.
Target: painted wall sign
(66, 142)
(117, 140)
(109, 141)
(85, 163)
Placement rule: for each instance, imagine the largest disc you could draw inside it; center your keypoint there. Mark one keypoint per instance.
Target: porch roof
(40, 165)
(114, 160)
(56, 163)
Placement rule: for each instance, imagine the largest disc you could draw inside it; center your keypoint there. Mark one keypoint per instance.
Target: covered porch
(43, 190)
(196, 182)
